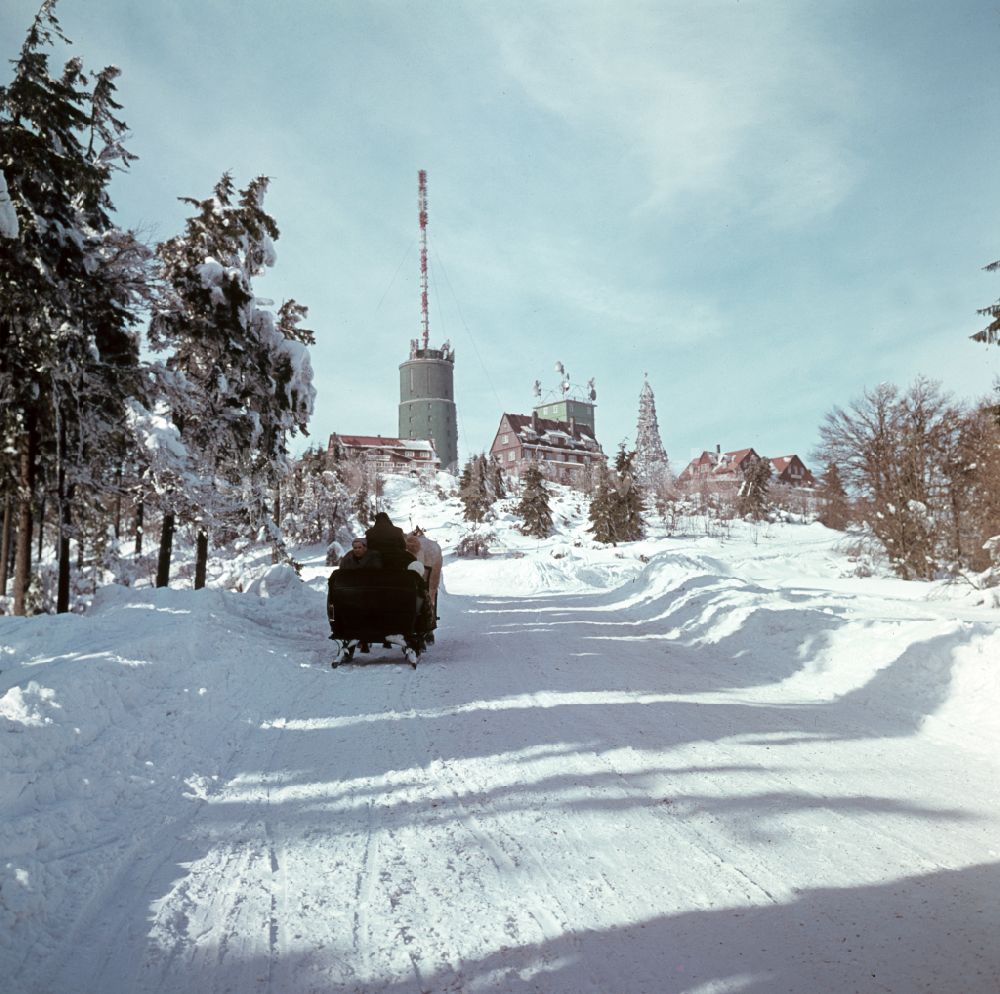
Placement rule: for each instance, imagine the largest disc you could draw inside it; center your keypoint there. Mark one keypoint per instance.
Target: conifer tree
(498, 485)
(361, 505)
(602, 513)
(66, 301)
(245, 375)
(534, 510)
(991, 333)
(754, 498)
(473, 490)
(651, 466)
(836, 508)
(627, 498)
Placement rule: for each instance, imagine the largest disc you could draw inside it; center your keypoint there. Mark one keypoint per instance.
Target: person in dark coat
(388, 541)
(361, 557)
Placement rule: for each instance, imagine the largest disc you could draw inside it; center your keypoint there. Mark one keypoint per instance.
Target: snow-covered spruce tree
(316, 501)
(602, 512)
(754, 498)
(362, 505)
(498, 485)
(651, 466)
(69, 352)
(533, 509)
(627, 498)
(991, 333)
(247, 373)
(473, 490)
(835, 508)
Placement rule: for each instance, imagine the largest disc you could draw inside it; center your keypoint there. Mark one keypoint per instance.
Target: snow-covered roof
(382, 442)
(531, 427)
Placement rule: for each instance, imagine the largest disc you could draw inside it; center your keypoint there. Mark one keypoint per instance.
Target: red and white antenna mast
(422, 207)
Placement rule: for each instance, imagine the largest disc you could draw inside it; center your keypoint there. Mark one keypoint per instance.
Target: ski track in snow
(705, 780)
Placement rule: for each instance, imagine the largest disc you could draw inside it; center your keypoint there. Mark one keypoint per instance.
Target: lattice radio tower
(426, 379)
(422, 209)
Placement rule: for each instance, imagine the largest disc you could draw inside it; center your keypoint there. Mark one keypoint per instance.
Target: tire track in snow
(364, 890)
(113, 948)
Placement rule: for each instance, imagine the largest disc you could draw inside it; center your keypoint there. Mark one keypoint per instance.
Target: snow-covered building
(386, 453)
(727, 470)
(718, 469)
(564, 449)
(792, 471)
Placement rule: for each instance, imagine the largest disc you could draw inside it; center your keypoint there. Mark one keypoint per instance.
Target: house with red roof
(563, 449)
(727, 470)
(718, 469)
(791, 471)
(386, 454)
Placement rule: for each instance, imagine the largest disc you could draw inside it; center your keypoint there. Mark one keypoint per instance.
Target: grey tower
(427, 400)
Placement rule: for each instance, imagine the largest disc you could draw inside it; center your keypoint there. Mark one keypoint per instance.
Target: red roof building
(720, 470)
(564, 449)
(792, 471)
(395, 454)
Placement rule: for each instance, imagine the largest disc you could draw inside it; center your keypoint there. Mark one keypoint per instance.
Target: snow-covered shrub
(475, 544)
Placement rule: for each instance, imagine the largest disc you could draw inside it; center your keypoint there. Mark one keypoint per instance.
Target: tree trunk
(41, 527)
(139, 513)
(5, 546)
(118, 502)
(25, 486)
(275, 554)
(62, 589)
(201, 560)
(166, 547)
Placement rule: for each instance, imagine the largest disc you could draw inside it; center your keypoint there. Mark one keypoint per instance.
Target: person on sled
(361, 557)
(388, 541)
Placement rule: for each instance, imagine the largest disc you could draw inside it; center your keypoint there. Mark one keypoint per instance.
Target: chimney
(718, 449)
(572, 427)
(534, 422)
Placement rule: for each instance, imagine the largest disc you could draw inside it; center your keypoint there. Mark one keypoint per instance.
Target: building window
(510, 455)
(504, 438)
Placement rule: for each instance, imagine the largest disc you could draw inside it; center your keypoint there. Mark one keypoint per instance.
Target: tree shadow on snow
(926, 934)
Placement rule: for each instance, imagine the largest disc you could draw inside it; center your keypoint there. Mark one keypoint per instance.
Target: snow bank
(608, 755)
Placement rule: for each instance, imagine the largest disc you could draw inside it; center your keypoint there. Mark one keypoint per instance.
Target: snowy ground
(733, 769)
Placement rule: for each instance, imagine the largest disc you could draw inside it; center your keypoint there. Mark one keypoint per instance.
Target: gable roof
(723, 464)
(550, 430)
(382, 442)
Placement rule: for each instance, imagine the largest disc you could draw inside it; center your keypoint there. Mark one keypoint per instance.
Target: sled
(376, 606)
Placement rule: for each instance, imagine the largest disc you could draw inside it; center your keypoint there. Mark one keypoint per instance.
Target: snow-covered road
(694, 783)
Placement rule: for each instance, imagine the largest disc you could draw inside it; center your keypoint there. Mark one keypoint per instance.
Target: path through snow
(696, 782)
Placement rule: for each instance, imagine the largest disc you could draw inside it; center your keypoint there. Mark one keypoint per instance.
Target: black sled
(375, 607)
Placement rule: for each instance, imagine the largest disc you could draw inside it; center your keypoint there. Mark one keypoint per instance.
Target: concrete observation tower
(427, 378)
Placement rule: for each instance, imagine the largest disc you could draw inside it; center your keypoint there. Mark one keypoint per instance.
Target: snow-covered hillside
(691, 764)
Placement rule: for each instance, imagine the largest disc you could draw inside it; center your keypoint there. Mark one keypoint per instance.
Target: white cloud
(746, 107)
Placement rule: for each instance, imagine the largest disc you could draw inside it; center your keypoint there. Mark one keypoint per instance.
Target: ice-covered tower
(427, 378)
(650, 456)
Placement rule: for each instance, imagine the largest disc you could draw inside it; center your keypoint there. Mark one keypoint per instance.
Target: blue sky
(766, 206)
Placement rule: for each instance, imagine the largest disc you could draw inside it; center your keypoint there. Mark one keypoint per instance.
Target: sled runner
(375, 606)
